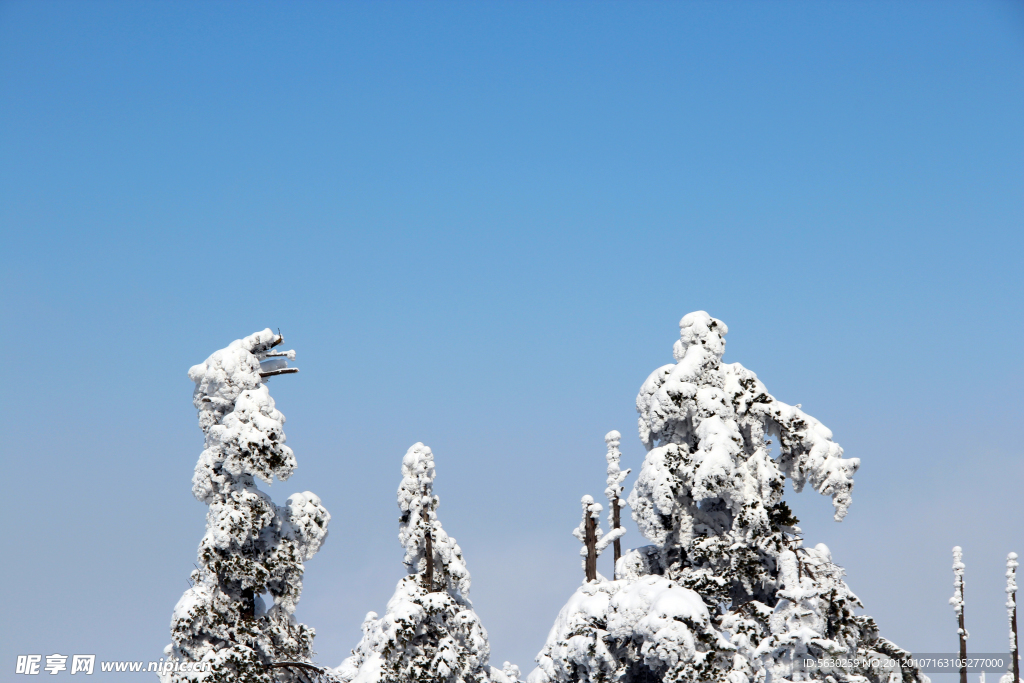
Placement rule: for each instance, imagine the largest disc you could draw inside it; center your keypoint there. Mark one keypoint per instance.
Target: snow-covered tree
(429, 632)
(1013, 675)
(252, 547)
(709, 493)
(957, 601)
(709, 498)
(616, 476)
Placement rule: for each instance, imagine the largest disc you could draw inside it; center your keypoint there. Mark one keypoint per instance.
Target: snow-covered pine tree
(709, 497)
(1013, 675)
(957, 601)
(709, 493)
(429, 632)
(616, 476)
(252, 547)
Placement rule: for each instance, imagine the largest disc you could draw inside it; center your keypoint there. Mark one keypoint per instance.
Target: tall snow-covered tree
(429, 632)
(1013, 675)
(709, 498)
(252, 547)
(616, 475)
(957, 601)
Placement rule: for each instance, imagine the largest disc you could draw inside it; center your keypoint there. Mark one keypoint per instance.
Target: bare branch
(282, 371)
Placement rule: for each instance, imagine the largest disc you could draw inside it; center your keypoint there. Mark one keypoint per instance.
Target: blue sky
(479, 225)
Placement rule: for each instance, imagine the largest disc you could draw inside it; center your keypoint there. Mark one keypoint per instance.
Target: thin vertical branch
(616, 523)
(428, 575)
(958, 604)
(1011, 607)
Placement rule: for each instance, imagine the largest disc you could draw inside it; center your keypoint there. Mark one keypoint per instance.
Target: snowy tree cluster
(725, 590)
(252, 547)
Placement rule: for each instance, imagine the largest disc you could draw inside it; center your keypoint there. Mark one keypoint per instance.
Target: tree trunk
(591, 541)
(963, 639)
(1015, 655)
(428, 575)
(616, 522)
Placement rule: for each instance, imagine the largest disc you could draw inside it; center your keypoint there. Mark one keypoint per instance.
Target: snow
(616, 475)
(665, 627)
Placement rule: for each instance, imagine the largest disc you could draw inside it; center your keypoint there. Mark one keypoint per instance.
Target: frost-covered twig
(615, 502)
(1011, 613)
(957, 601)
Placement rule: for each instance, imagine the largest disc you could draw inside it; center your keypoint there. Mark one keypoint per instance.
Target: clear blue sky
(479, 225)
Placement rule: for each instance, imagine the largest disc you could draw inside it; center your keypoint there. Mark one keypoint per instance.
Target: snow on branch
(613, 492)
(957, 601)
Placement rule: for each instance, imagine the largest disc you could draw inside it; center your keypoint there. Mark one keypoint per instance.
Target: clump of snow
(616, 475)
(613, 490)
(251, 546)
(625, 630)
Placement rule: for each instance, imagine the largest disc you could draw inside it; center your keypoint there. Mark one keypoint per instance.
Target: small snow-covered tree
(429, 632)
(1013, 675)
(616, 476)
(252, 547)
(957, 601)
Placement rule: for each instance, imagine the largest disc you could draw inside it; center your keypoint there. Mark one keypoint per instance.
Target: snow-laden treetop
(420, 528)
(715, 409)
(244, 431)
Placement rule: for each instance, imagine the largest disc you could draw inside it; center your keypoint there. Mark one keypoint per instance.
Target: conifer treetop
(416, 496)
